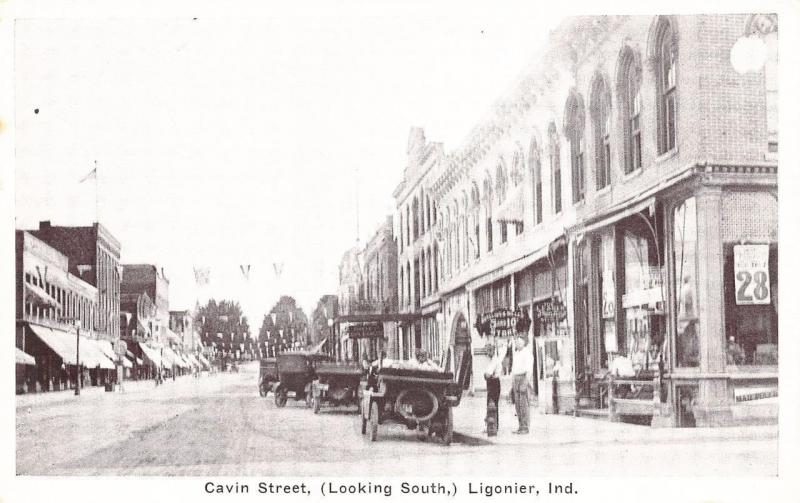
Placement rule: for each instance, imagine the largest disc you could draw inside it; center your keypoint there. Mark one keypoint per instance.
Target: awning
(24, 358)
(513, 210)
(38, 296)
(614, 216)
(92, 356)
(107, 349)
(318, 347)
(63, 344)
(154, 355)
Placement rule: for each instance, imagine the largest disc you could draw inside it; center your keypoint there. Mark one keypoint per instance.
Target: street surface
(219, 425)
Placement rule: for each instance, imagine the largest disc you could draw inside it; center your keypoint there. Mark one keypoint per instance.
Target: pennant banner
(202, 275)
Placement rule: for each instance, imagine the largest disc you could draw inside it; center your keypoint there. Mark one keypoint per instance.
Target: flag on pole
(92, 175)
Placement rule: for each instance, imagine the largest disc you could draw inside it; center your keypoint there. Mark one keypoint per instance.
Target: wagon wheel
(281, 397)
(447, 427)
(316, 403)
(373, 422)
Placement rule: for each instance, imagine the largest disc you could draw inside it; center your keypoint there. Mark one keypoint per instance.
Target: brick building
(52, 305)
(93, 254)
(621, 196)
(367, 316)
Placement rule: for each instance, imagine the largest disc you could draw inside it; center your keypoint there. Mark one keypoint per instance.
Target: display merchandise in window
(685, 260)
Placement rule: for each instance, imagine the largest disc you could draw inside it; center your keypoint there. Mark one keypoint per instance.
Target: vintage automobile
(337, 383)
(295, 373)
(267, 375)
(417, 398)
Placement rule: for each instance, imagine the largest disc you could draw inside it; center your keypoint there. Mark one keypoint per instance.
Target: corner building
(623, 195)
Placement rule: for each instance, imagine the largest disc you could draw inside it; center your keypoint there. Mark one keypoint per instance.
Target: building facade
(622, 196)
(55, 308)
(367, 317)
(93, 254)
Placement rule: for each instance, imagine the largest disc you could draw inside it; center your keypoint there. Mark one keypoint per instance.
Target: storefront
(676, 303)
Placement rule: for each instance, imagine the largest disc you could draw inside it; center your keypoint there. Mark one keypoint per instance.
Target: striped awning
(24, 358)
(64, 345)
(38, 296)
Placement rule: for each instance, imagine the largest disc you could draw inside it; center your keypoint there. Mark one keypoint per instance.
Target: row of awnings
(64, 344)
(101, 354)
(166, 357)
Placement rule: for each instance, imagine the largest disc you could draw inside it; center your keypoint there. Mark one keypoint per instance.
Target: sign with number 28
(751, 274)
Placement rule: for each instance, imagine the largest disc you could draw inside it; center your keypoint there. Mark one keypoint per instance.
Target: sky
(221, 142)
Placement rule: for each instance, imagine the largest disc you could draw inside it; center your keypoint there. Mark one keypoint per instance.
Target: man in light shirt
(522, 379)
(492, 374)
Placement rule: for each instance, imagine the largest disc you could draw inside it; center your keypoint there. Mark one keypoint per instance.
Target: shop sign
(644, 297)
(609, 302)
(551, 312)
(751, 274)
(365, 331)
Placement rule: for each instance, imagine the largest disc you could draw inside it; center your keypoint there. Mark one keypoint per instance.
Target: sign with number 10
(751, 274)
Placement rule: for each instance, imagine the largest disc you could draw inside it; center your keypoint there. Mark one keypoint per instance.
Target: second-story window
(416, 213)
(573, 127)
(535, 167)
(666, 59)
(630, 100)
(601, 126)
(554, 148)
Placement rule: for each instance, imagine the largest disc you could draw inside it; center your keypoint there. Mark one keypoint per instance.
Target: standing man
(492, 376)
(522, 375)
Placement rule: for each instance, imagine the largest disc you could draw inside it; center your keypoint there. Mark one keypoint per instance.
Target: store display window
(643, 300)
(685, 259)
(751, 304)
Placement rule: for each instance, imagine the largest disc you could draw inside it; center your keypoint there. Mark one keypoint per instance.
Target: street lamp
(76, 322)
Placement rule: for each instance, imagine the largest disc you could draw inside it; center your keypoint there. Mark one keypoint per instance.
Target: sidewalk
(550, 429)
(93, 392)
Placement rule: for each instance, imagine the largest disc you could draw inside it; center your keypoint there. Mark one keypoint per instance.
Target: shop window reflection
(685, 250)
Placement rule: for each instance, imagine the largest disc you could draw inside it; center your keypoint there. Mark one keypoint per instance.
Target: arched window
(535, 166)
(629, 80)
(487, 201)
(665, 54)
(408, 226)
(601, 127)
(501, 183)
(401, 232)
(476, 206)
(573, 128)
(415, 211)
(436, 268)
(554, 153)
(516, 179)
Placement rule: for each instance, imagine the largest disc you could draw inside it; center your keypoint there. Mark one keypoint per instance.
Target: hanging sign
(751, 274)
(365, 331)
(550, 312)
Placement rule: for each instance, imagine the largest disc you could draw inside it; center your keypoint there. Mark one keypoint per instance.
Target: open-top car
(418, 398)
(337, 383)
(295, 373)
